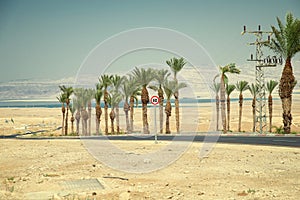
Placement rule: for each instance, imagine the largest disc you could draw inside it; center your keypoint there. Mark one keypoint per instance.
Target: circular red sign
(155, 100)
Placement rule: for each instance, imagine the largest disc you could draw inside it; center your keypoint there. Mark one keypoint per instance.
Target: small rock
(282, 162)
(247, 171)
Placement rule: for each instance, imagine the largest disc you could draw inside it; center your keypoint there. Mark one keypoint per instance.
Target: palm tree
(230, 68)
(271, 85)
(105, 81)
(176, 65)
(117, 81)
(98, 96)
(170, 87)
(143, 77)
(160, 76)
(253, 90)
(286, 43)
(241, 86)
(216, 88)
(229, 89)
(113, 100)
(68, 91)
(62, 99)
(72, 110)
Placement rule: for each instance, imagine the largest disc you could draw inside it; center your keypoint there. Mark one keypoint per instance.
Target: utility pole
(261, 63)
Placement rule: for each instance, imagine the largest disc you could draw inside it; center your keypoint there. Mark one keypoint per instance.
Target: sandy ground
(40, 169)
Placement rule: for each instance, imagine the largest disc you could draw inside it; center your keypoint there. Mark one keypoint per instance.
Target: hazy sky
(51, 38)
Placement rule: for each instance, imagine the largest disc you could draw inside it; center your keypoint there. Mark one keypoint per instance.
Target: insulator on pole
(244, 28)
(258, 27)
(251, 56)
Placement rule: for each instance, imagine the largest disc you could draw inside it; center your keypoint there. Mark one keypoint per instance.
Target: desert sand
(45, 169)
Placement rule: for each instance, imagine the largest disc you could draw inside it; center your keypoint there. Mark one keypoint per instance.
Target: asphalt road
(290, 141)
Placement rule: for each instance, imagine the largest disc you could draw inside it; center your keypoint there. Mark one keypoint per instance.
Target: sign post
(155, 101)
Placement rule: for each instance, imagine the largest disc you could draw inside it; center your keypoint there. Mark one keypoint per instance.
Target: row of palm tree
(240, 86)
(114, 88)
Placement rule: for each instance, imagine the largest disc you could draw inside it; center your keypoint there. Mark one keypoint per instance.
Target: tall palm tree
(105, 81)
(170, 87)
(160, 76)
(62, 99)
(113, 100)
(271, 85)
(176, 66)
(241, 86)
(143, 77)
(286, 43)
(229, 89)
(230, 68)
(216, 88)
(117, 81)
(68, 91)
(98, 96)
(253, 90)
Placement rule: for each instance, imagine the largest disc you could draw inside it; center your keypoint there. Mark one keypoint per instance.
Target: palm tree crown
(176, 65)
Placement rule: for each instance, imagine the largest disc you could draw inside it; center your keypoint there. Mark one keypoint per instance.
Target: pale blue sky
(51, 38)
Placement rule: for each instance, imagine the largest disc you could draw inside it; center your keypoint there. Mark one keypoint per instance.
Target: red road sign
(154, 100)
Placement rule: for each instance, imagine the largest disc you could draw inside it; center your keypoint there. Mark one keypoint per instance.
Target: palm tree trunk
(106, 118)
(126, 108)
(176, 95)
(131, 112)
(67, 114)
(218, 111)
(254, 114)
(112, 119)
(118, 119)
(161, 110)
(285, 92)
(223, 107)
(72, 124)
(228, 113)
(168, 111)
(98, 116)
(145, 119)
(270, 105)
(90, 116)
(77, 117)
(82, 122)
(63, 110)
(85, 117)
(240, 112)
(145, 100)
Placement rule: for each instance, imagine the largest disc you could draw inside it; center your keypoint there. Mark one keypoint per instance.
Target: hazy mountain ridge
(46, 89)
(32, 88)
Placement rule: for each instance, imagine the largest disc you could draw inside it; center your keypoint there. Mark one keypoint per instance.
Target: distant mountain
(23, 89)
